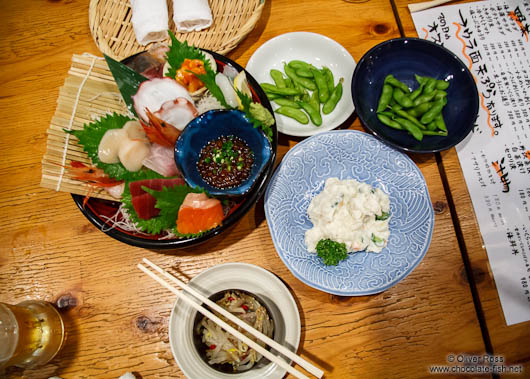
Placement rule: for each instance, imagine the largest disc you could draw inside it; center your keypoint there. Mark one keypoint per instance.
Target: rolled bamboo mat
(111, 27)
(89, 91)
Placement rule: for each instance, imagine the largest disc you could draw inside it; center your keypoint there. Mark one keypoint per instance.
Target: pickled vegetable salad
(223, 347)
(132, 157)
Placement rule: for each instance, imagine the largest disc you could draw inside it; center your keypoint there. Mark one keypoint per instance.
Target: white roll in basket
(150, 20)
(191, 15)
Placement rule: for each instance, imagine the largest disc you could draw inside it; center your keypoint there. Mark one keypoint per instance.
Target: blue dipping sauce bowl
(210, 126)
(404, 57)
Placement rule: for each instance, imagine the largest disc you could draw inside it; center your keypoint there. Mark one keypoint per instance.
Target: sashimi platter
(132, 155)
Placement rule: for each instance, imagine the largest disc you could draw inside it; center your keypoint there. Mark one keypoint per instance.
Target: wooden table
(117, 319)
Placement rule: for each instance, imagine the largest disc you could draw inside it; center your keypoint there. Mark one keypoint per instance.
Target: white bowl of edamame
(307, 77)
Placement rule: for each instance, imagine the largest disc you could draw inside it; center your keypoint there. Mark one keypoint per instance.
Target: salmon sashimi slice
(199, 213)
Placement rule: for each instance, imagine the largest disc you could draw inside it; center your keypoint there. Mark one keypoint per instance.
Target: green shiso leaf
(211, 85)
(178, 52)
(90, 136)
(127, 80)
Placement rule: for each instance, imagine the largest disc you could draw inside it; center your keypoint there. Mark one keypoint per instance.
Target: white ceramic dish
(243, 276)
(312, 48)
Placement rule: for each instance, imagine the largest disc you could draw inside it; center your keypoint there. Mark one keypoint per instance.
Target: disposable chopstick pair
(416, 7)
(281, 349)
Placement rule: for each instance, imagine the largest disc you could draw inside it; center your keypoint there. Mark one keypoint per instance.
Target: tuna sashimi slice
(144, 203)
(199, 213)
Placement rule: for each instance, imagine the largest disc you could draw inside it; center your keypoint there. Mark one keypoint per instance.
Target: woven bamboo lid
(111, 27)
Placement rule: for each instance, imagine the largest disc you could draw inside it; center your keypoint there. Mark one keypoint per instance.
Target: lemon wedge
(241, 84)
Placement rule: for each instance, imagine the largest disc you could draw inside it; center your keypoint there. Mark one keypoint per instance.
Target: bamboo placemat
(89, 92)
(111, 27)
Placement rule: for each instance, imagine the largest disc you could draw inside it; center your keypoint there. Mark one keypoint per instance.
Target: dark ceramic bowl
(404, 57)
(210, 126)
(98, 211)
(202, 348)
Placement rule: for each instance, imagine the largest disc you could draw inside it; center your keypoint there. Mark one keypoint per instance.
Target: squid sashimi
(198, 213)
(161, 159)
(143, 202)
(153, 93)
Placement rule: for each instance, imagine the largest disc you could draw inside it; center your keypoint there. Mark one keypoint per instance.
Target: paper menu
(492, 39)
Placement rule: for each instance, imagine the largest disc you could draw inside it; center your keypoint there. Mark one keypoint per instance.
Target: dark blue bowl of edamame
(404, 58)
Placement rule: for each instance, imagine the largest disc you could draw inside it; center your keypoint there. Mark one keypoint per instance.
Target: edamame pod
(396, 83)
(417, 92)
(329, 78)
(314, 101)
(412, 119)
(430, 86)
(433, 112)
(440, 122)
(387, 113)
(440, 94)
(270, 88)
(282, 101)
(302, 72)
(423, 98)
(297, 114)
(442, 85)
(334, 98)
(388, 121)
(304, 82)
(278, 78)
(410, 127)
(297, 64)
(322, 85)
(313, 113)
(431, 126)
(401, 98)
(419, 110)
(386, 96)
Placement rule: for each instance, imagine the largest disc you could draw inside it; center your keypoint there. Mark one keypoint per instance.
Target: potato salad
(349, 212)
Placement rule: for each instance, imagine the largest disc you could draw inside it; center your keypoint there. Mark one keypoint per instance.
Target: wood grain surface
(509, 342)
(116, 318)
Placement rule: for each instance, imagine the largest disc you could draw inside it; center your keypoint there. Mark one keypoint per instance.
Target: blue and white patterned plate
(349, 154)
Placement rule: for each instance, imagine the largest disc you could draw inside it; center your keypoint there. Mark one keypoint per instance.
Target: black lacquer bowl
(98, 210)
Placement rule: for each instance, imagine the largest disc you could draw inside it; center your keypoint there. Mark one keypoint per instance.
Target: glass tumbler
(31, 333)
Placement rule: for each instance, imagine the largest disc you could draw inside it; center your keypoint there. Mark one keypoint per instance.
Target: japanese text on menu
(492, 39)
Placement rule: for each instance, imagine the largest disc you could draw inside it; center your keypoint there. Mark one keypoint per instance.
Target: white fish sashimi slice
(161, 160)
(116, 191)
(177, 112)
(153, 93)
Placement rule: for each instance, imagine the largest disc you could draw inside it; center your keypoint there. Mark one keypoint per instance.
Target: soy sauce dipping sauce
(225, 162)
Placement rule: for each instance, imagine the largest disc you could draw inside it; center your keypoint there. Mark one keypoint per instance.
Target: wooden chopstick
(416, 7)
(229, 328)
